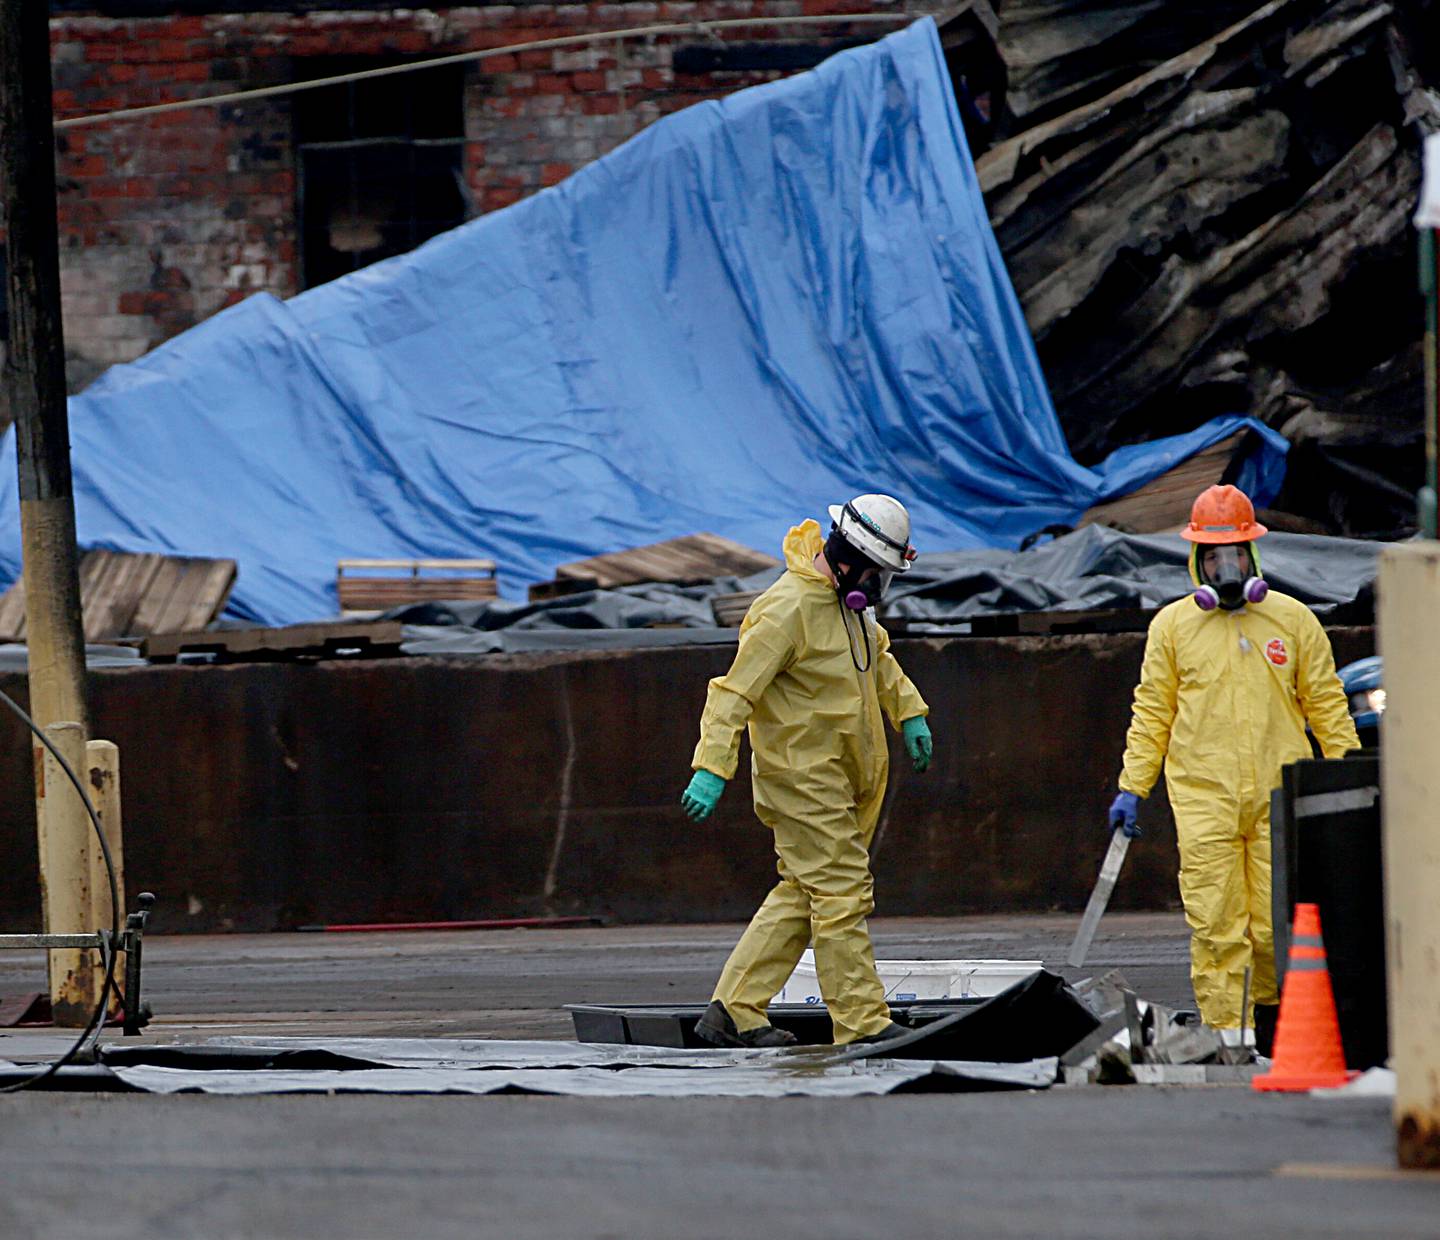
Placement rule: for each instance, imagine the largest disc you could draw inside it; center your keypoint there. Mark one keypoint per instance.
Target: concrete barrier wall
(265, 796)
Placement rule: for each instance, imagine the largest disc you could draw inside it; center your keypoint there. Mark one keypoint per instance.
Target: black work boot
(717, 1028)
(1267, 1015)
(887, 1034)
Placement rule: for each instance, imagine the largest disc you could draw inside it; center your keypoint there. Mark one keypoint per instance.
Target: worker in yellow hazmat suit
(1230, 678)
(811, 677)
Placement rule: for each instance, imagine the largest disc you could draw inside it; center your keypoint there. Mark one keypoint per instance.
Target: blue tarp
(755, 308)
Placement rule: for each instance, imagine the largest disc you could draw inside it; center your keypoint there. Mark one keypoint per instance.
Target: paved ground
(1114, 1163)
(515, 983)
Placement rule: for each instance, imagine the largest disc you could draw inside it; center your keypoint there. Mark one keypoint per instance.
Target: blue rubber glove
(702, 794)
(917, 741)
(1123, 810)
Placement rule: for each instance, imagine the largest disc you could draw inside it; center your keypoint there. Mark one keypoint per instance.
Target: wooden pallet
(295, 641)
(1164, 504)
(695, 557)
(130, 595)
(377, 585)
(730, 610)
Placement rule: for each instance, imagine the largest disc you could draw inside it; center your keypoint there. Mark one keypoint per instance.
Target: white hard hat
(879, 527)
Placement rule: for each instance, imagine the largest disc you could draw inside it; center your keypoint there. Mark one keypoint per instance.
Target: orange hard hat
(1222, 515)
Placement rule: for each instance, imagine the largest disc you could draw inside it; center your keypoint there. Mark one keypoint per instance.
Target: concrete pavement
(1117, 1163)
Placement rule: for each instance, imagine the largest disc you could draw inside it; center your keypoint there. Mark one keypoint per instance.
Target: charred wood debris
(1205, 210)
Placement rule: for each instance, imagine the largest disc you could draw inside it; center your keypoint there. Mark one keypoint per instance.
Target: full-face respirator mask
(1233, 578)
(860, 582)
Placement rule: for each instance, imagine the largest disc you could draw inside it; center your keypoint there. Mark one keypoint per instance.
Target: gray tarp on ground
(15, 656)
(871, 1077)
(1093, 568)
(1098, 568)
(482, 1066)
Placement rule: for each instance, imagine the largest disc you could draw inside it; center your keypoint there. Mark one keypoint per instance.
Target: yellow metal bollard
(102, 781)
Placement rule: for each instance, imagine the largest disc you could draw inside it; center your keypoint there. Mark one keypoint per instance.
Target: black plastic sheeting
(71, 1079)
(1093, 568)
(649, 614)
(1035, 1018)
(1098, 568)
(670, 1024)
(263, 1058)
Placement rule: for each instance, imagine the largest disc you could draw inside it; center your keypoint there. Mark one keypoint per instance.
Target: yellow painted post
(75, 976)
(102, 782)
(1409, 595)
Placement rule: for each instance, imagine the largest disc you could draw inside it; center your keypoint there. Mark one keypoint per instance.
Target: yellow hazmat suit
(818, 765)
(1223, 700)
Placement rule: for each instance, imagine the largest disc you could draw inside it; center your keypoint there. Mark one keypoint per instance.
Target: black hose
(97, 1020)
(850, 637)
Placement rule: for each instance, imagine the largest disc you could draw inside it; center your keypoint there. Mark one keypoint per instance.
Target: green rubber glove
(702, 794)
(917, 741)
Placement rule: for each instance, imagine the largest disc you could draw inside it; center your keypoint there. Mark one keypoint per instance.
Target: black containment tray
(1033, 1019)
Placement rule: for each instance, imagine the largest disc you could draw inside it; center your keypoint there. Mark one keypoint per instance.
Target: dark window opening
(379, 164)
(749, 57)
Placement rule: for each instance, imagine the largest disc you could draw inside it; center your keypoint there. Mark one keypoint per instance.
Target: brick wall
(165, 220)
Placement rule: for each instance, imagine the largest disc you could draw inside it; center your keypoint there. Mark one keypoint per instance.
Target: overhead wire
(360, 75)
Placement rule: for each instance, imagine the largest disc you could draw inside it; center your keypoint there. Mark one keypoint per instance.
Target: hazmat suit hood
(802, 544)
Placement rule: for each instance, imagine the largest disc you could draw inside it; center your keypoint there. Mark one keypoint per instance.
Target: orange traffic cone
(1307, 1039)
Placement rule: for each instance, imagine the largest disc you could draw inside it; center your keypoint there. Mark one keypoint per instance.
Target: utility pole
(34, 380)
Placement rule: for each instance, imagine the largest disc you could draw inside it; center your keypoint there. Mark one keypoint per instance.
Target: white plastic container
(907, 980)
